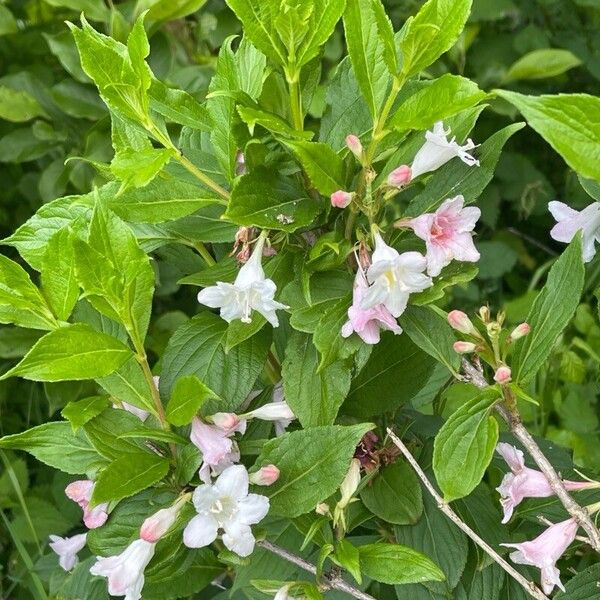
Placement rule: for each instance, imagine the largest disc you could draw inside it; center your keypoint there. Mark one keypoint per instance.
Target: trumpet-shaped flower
(155, 526)
(67, 549)
(523, 482)
(226, 505)
(125, 571)
(394, 277)
(545, 550)
(266, 475)
(250, 291)
(368, 322)
(448, 234)
(81, 492)
(438, 150)
(570, 221)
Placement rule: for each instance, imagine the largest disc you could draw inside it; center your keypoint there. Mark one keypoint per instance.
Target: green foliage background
(54, 129)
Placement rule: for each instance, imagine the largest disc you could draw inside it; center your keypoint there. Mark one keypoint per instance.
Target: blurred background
(55, 131)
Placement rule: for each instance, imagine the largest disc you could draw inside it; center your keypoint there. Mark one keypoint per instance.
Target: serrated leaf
(79, 412)
(187, 397)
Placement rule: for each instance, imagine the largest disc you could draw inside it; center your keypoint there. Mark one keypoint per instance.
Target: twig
(333, 582)
(529, 586)
(513, 420)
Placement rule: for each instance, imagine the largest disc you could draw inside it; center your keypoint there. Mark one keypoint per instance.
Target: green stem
(204, 253)
(293, 77)
(379, 125)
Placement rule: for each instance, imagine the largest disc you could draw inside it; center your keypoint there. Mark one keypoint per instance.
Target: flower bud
(274, 411)
(266, 475)
(354, 146)
(400, 176)
(502, 375)
(154, 527)
(464, 347)
(341, 199)
(458, 320)
(350, 483)
(484, 313)
(493, 329)
(226, 421)
(322, 508)
(519, 331)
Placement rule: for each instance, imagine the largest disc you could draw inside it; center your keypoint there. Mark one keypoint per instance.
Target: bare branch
(513, 420)
(331, 582)
(529, 586)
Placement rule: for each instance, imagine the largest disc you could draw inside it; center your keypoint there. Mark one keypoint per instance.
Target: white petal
(239, 539)
(561, 211)
(204, 497)
(213, 296)
(200, 531)
(252, 509)
(233, 482)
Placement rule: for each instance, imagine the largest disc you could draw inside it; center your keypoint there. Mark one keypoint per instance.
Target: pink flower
(354, 145)
(570, 221)
(266, 475)
(519, 331)
(229, 422)
(545, 550)
(460, 321)
(81, 492)
(447, 234)
(155, 527)
(400, 176)
(367, 322)
(67, 549)
(464, 347)
(125, 571)
(502, 375)
(341, 199)
(524, 482)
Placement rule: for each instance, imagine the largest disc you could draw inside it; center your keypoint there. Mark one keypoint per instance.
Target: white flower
(67, 549)
(570, 221)
(278, 409)
(125, 571)
(394, 277)
(250, 291)
(438, 150)
(226, 505)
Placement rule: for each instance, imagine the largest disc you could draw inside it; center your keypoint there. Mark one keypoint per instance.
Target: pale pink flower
(155, 526)
(367, 322)
(273, 411)
(460, 321)
(266, 475)
(438, 150)
(570, 221)
(341, 199)
(125, 571)
(503, 375)
(400, 176)
(140, 413)
(519, 331)
(448, 234)
(226, 505)
(394, 277)
(229, 422)
(524, 482)
(354, 145)
(464, 347)
(277, 398)
(67, 549)
(81, 492)
(544, 551)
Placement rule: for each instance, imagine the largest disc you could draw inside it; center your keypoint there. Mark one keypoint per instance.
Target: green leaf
(21, 302)
(431, 333)
(591, 187)
(464, 446)
(550, 313)
(324, 167)
(160, 12)
(269, 200)
(56, 445)
(274, 123)
(19, 106)
(385, 31)
(395, 372)
(455, 177)
(129, 475)
(541, 64)
(394, 494)
(314, 396)
(584, 586)
(568, 122)
(396, 564)
(312, 463)
(72, 352)
(425, 102)
(79, 412)
(431, 33)
(187, 397)
(198, 348)
(137, 168)
(59, 282)
(366, 53)
(347, 556)
(178, 106)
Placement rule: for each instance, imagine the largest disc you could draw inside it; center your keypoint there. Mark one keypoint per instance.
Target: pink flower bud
(226, 421)
(502, 375)
(322, 508)
(519, 331)
(154, 527)
(266, 475)
(341, 199)
(458, 320)
(464, 347)
(400, 176)
(354, 146)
